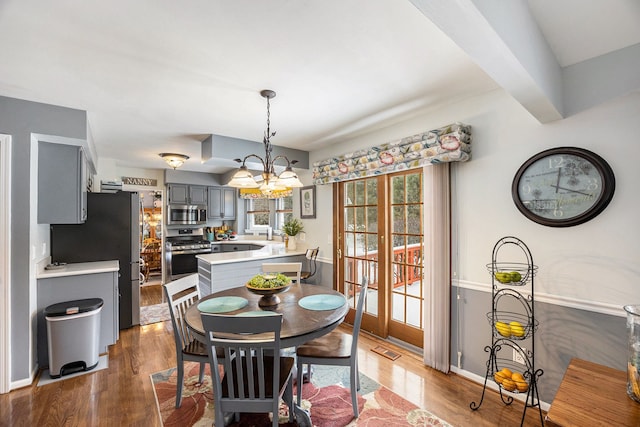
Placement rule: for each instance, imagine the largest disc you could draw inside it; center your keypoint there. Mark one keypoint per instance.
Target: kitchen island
(226, 270)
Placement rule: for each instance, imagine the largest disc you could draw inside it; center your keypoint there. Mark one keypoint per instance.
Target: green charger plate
(222, 304)
(322, 302)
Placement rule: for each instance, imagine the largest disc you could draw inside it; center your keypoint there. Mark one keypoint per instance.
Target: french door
(379, 235)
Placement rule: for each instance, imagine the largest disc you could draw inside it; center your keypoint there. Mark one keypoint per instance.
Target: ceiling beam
(505, 41)
(225, 149)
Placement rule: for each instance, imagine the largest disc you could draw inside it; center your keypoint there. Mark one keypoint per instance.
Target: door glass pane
(372, 192)
(372, 219)
(372, 244)
(414, 218)
(359, 192)
(360, 224)
(397, 186)
(361, 245)
(349, 196)
(414, 188)
(414, 306)
(371, 270)
(349, 275)
(398, 219)
(414, 240)
(350, 243)
(349, 221)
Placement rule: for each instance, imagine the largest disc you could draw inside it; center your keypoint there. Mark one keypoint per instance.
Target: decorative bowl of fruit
(268, 285)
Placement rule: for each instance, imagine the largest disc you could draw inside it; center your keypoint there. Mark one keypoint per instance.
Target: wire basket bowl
(512, 273)
(514, 326)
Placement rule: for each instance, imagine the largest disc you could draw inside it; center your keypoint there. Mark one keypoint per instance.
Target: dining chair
(290, 269)
(310, 255)
(335, 348)
(180, 295)
(255, 375)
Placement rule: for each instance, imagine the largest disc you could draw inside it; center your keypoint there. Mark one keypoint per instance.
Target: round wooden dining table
(299, 324)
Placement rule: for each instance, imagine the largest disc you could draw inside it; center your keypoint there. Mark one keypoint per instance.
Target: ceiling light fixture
(174, 160)
(268, 182)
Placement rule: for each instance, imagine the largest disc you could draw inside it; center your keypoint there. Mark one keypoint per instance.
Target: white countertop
(248, 242)
(77, 269)
(270, 249)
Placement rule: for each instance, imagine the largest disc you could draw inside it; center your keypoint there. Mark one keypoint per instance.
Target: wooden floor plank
(122, 394)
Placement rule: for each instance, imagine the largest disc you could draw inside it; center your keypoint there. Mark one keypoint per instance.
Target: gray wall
(563, 333)
(324, 273)
(20, 119)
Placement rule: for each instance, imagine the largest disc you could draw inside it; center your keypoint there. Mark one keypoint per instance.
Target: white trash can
(73, 330)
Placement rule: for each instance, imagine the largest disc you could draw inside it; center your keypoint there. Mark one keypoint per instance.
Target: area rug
(326, 397)
(154, 313)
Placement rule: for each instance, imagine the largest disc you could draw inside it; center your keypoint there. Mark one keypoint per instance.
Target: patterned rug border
(380, 405)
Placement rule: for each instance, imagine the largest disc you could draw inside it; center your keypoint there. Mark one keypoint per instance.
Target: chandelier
(268, 182)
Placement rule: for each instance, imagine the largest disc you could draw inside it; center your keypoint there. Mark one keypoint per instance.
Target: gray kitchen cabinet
(222, 203)
(62, 184)
(185, 194)
(102, 285)
(236, 247)
(233, 247)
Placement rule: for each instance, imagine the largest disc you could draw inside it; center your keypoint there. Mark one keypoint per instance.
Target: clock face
(563, 186)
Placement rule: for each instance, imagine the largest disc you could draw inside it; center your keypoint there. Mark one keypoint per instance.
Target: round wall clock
(563, 186)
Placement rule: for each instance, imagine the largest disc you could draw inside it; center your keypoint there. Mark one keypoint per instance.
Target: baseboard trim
(26, 381)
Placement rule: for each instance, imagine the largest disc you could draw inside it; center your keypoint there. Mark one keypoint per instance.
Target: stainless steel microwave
(186, 214)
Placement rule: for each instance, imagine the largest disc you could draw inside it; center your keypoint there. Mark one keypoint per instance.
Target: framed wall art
(308, 202)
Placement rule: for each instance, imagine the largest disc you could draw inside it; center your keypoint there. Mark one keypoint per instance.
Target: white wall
(108, 170)
(586, 273)
(596, 261)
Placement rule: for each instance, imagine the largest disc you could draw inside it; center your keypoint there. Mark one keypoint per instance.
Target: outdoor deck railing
(406, 265)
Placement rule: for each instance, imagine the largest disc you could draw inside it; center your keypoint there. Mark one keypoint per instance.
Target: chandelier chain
(267, 138)
(269, 181)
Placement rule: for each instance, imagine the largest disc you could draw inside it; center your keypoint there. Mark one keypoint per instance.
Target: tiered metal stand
(513, 323)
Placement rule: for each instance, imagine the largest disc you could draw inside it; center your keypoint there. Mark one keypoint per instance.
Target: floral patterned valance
(450, 143)
(255, 193)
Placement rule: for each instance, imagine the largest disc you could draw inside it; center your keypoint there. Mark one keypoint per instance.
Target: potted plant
(291, 228)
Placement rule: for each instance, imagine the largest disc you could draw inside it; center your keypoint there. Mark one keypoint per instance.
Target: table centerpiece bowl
(268, 285)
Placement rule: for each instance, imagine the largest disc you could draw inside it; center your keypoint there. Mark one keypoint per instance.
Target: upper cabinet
(184, 194)
(62, 184)
(222, 203)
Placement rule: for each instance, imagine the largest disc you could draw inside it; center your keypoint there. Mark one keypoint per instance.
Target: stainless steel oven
(186, 215)
(181, 254)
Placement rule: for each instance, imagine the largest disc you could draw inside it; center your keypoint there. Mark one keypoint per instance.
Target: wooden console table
(593, 395)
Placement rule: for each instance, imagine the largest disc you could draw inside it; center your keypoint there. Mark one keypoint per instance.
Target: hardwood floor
(151, 293)
(122, 395)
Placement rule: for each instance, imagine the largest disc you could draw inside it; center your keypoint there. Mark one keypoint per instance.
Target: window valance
(255, 193)
(450, 143)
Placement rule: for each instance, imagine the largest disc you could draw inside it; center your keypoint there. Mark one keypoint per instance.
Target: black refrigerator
(111, 232)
